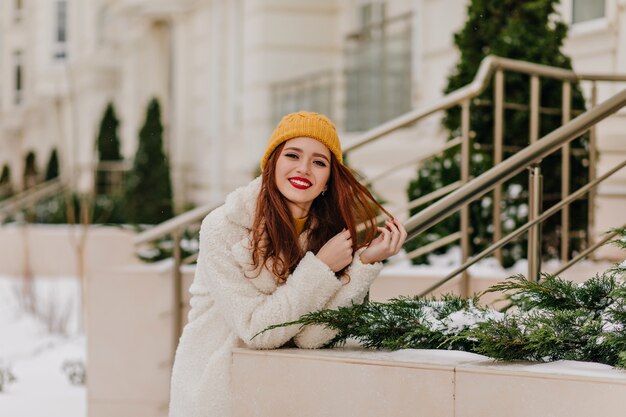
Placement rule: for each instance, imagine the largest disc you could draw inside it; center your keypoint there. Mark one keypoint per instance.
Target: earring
(323, 193)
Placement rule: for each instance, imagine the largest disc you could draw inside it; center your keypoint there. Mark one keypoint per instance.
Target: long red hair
(345, 204)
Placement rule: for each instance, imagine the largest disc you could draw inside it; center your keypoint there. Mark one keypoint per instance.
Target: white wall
(212, 64)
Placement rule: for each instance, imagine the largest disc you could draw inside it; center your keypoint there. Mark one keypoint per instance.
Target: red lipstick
(300, 183)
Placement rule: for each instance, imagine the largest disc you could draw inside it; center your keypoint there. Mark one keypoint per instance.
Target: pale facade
(225, 70)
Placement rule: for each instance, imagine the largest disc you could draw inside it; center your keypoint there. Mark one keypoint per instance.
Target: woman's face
(302, 171)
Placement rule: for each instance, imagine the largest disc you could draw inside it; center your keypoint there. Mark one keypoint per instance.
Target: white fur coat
(227, 308)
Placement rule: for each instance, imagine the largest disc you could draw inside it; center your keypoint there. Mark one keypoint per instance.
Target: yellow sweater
(299, 223)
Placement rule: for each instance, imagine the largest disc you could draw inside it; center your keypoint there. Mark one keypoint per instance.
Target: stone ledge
(360, 382)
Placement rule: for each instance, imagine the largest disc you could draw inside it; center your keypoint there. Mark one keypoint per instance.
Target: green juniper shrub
(557, 319)
(6, 187)
(104, 209)
(402, 323)
(108, 141)
(52, 169)
(529, 31)
(552, 319)
(31, 173)
(163, 248)
(148, 194)
(108, 146)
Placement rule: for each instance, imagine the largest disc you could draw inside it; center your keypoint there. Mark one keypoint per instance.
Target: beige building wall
(46, 250)
(282, 40)
(599, 46)
(212, 65)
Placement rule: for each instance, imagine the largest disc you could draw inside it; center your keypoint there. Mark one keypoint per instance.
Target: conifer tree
(149, 190)
(6, 189)
(52, 170)
(108, 141)
(108, 145)
(528, 31)
(31, 172)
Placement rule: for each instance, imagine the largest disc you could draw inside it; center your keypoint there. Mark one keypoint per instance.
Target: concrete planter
(365, 383)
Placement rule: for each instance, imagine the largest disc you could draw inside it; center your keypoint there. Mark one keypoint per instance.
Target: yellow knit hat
(304, 124)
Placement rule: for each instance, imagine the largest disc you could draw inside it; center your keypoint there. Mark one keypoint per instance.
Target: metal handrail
(27, 197)
(415, 161)
(586, 252)
(470, 190)
(482, 184)
(175, 223)
(487, 68)
(446, 240)
(520, 230)
(571, 263)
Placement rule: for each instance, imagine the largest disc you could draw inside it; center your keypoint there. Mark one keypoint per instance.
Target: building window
(18, 8)
(60, 32)
(102, 22)
(19, 78)
(584, 10)
(313, 92)
(378, 68)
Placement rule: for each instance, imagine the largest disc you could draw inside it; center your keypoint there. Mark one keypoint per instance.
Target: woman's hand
(387, 243)
(337, 252)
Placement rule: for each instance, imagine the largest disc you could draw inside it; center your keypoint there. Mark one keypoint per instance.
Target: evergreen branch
(556, 319)
(401, 323)
(620, 242)
(556, 293)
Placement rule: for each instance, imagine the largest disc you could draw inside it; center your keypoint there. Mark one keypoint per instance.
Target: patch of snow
(578, 368)
(514, 190)
(190, 245)
(437, 356)
(148, 253)
(35, 355)
(522, 210)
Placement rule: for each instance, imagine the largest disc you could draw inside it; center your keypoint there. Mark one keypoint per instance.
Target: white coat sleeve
(354, 292)
(247, 310)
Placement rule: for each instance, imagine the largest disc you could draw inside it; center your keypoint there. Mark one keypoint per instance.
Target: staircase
(163, 311)
(29, 198)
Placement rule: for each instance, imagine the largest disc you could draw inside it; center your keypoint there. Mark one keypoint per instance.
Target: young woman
(284, 245)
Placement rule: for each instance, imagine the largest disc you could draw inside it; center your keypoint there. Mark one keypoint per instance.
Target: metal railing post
(526, 227)
(498, 133)
(472, 190)
(565, 173)
(593, 158)
(516, 163)
(534, 108)
(177, 287)
(465, 176)
(534, 179)
(534, 233)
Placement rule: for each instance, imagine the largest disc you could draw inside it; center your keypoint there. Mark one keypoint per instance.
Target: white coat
(228, 309)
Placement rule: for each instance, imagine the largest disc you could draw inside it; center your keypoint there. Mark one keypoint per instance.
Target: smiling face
(302, 171)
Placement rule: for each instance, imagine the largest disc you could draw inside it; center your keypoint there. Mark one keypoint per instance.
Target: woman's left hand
(387, 243)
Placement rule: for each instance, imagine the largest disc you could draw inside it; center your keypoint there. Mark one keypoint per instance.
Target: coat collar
(240, 205)
(240, 208)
